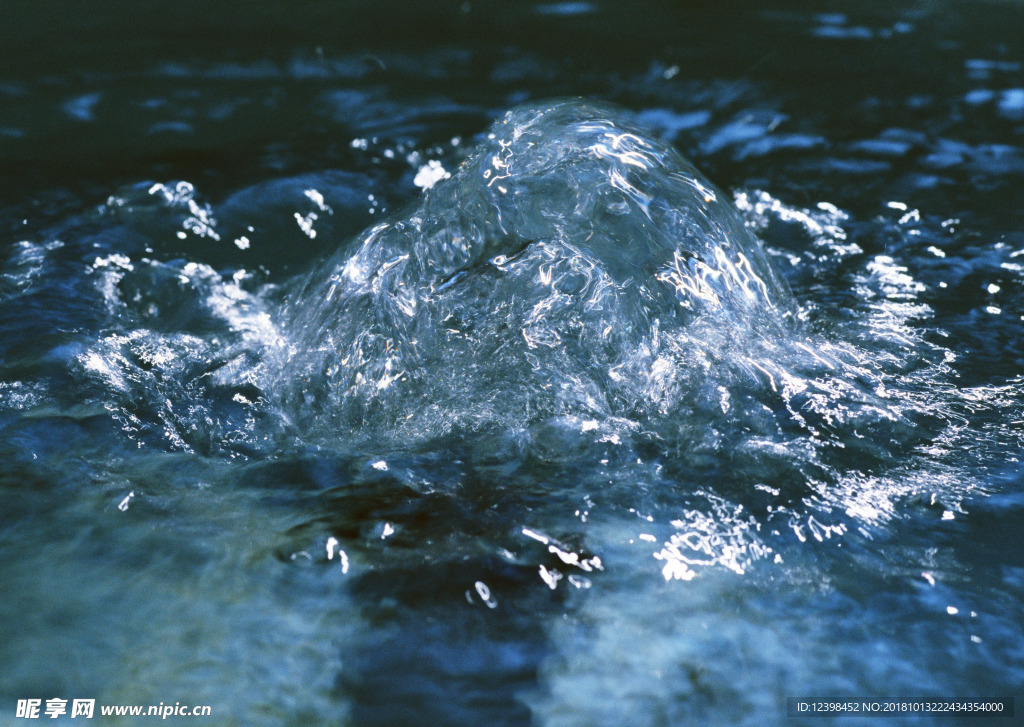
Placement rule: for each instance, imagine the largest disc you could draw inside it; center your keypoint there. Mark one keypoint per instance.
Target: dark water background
(175, 499)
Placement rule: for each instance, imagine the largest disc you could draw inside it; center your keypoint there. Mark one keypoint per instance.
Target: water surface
(515, 364)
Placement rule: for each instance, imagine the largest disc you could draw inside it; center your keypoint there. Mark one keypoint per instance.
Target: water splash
(572, 266)
(575, 296)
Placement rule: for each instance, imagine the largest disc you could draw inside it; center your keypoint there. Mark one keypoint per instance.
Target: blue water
(547, 364)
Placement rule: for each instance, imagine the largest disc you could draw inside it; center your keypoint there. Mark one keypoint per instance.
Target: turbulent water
(495, 410)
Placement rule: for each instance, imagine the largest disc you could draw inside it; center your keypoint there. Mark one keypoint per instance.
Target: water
(366, 374)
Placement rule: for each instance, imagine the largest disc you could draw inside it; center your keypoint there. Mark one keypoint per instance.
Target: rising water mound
(572, 272)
